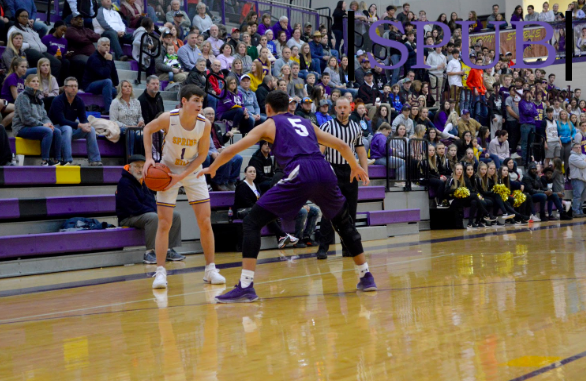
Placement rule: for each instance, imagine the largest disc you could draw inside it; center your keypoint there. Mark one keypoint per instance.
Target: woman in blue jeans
(31, 121)
(378, 152)
(230, 108)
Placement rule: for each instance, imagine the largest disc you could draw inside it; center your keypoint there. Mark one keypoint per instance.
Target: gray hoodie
(137, 36)
(577, 165)
(29, 111)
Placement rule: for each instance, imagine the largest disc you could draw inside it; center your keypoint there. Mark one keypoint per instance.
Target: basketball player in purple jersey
(308, 176)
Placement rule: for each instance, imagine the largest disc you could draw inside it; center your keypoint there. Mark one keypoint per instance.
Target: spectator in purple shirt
(265, 24)
(282, 25)
(230, 108)
(517, 15)
(527, 114)
(55, 41)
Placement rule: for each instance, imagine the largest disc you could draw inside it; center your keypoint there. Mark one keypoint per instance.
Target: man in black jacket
(543, 195)
(151, 105)
(263, 163)
(268, 84)
(136, 207)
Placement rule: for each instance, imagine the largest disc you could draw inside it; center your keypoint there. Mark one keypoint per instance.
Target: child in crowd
(172, 60)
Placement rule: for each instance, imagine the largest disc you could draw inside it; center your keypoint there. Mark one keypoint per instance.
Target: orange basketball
(157, 177)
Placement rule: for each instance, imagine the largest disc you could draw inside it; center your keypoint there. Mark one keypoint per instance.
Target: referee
(349, 132)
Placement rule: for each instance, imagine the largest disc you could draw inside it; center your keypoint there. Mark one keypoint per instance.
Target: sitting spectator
(265, 169)
(317, 52)
(125, 109)
(284, 60)
(403, 119)
(395, 159)
(215, 40)
(109, 24)
(80, 44)
(305, 222)
(132, 12)
(167, 55)
(499, 146)
(66, 110)
(245, 58)
(305, 110)
(13, 6)
(283, 25)
(543, 195)
(13, 84)
(5, 150)
(230, 108)
(265, 24)
(201, 20)
(181, 22)
(268, 84)
(246, 196)
(14, 49)
(295, 40)
(151, 102)
(49, 88)
(369, 91)
(226, 58)
(249, 100)
(33, 47)
(136, 207)
(148, 45)
(189, 53)
(322, 114)
(553, 178)
(57, 46)
(31, 122)
(228, 174)
(101, 76)
(466, 123)
(578, 177)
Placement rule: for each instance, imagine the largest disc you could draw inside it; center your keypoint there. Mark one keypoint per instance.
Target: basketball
(157, 177)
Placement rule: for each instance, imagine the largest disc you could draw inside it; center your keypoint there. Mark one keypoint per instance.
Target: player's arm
(160, 123)
(331, 141)
(264, 131)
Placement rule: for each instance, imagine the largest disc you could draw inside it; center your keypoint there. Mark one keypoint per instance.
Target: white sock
(246, 278)
(211, 266)
(362, 269)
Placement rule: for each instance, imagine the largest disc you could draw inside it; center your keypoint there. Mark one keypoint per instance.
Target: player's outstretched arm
(160, 123)
(264, 131)
(331, 141)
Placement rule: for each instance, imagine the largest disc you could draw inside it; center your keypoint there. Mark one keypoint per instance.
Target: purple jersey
(294, 139)
(583, 143)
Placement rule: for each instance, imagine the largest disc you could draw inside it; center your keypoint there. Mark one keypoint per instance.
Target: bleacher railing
(147, 53)
(402, 162)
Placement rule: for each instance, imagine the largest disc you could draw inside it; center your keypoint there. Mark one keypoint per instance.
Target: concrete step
(122, 65)
(57, 191)
(130, 75)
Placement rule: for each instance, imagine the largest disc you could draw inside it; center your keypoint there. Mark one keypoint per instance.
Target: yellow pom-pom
(462, 192)
(519, 198)
(501, 190)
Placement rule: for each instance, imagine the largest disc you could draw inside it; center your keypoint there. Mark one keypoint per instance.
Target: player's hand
(147, 164)
(207, 171)
(359, 174)
(175, 178)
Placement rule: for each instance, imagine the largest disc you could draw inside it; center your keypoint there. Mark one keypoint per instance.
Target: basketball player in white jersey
(185, 147)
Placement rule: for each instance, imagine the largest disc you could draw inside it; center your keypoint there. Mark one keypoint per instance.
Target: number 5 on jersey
(298, 126)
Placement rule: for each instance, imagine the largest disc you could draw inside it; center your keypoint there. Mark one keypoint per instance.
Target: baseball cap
(508, 54)
(360, 52)
(76, 14)
(368, 72)
(178, 14)
(407, 79)
(364, 60)
(465, 111)
(245, 76)
(235, 30)
(306, 100)
(134, 158)
(307, 24)
(292, 100)
(323, 102)
(167, 33)
(316, 34)
(406, 107)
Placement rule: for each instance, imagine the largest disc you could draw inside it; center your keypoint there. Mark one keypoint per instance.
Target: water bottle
(230, 215)
(58, 52)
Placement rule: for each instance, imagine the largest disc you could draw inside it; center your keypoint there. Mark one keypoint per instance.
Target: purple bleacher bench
(31, 245)
(41, 176)
(384, 217)
(79, 147)
(371, 193)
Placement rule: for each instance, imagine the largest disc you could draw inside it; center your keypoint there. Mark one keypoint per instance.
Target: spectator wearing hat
(72, 8)
(292, 105)
(249, 101)
(179, 19)
(322, 116)
(369, 91)
(234, 39)
(283, 25)
(317, 52)
(136, 207)
(80, 43)
(578, 177)
(361, 71)
(404, 119)
(467, 123)
(305, 111)
(163, 68)
(109, 24)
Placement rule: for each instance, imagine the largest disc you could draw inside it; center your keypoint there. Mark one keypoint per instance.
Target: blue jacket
(65, 114)
(527, 111)
(566, 131)
(317, 50)
(27, 5)
(322, 118)
(249, 101)
(98, 68)
(132, 197)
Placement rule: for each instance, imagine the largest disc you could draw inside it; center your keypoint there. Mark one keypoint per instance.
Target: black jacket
(151, 107)
(196, 77)
(133, 198)
(444, 167)
(221, 136)
(265, 169)
(307, 115)
(244, 197)
(261, 96)
(532, 184)
(368, 94)
(424, 167)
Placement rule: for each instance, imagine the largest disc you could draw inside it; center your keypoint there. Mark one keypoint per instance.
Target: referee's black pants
(350, 191)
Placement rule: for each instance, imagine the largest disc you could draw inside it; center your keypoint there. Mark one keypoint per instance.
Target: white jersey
(180, 146)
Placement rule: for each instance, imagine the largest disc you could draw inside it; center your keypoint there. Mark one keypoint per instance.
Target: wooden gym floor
(452, 305)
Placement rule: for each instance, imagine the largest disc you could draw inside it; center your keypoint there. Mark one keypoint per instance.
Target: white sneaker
(535, 218)
(515, 156)
(507, 216)
(567, 206)
(370, 161)
(160, 278)
(214, 277)
(284, 241)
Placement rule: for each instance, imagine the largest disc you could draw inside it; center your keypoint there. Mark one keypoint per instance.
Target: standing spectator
(475, 82)
(566, 132)
(553, 144)
(338, 25)
(189, 53)
(31, 9)
(577, 168)
(32, 44)
(455, 73)
(438, 63)
(80, 44)
(148, 45)
(85, 9)
(201, 20)
(136, 207)
(517, 15)
(531, 14)
(265, 168)
(151, 102)
(527, 114)
(66, 110)
(101, 76)
(109, 24)
(31, 122)
(283, 25)
(512, 125)
(14, 84)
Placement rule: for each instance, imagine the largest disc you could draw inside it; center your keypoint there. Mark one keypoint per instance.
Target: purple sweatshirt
(527, 111)
(229, 102)
(377, 146)
(440, 120)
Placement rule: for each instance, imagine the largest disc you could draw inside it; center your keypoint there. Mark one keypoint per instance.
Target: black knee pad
(347, 231)
(252, 224)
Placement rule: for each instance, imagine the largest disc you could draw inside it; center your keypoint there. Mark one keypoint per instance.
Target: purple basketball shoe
(366, 283)
(240, 295)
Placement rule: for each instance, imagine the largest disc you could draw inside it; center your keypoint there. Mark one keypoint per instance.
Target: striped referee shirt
(350, 134)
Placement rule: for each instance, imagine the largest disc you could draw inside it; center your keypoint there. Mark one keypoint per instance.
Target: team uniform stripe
(165, 204)
(199, 202)
(351, 134)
